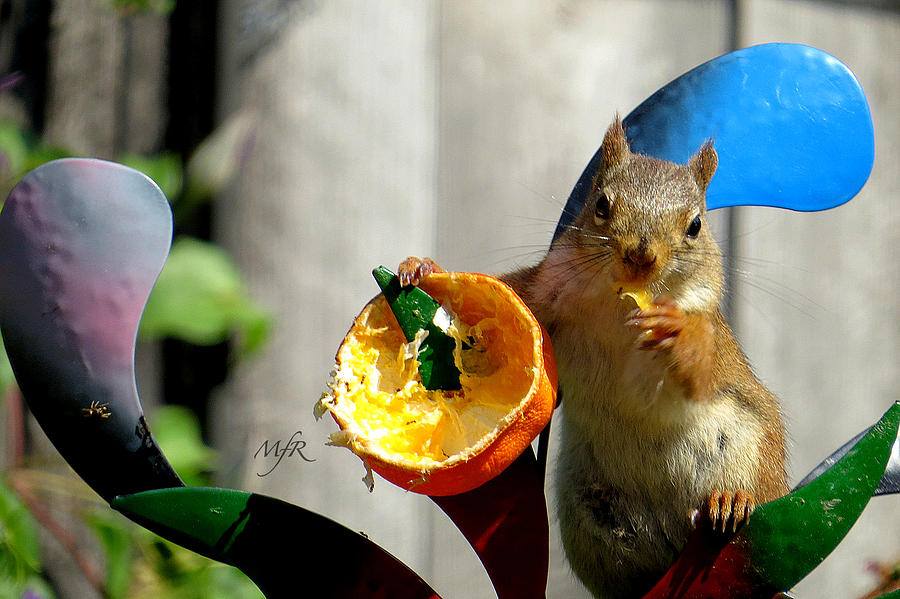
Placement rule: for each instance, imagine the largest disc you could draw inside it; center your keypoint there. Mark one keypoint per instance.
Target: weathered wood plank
(457, 130)
(101, 103)
(341, 178)
(527, 92)
(817, 310)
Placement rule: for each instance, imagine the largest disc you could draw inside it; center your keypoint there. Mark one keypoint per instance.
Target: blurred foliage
(165, 170)
(168, 571)
(161, 7)
(200, 298)
(138, 563)
(6, 373)
(177, 432)
(117, 539)
(20, 560)
(216, 160)
(20, 152)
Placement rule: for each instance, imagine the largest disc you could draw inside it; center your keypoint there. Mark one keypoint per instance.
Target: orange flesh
(641, 296)
(383, 408)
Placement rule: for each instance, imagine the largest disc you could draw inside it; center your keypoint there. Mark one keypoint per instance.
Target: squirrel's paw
(730, 510)
(659, 324)
(413, 269)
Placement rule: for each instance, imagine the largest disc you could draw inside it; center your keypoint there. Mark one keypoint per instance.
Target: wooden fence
(457, 129)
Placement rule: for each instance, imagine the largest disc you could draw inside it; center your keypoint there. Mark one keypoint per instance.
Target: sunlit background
(305, 142)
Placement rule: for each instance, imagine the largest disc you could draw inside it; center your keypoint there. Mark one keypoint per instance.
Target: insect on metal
(97, 409)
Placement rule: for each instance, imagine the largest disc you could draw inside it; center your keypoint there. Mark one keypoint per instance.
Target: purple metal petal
(81, 244)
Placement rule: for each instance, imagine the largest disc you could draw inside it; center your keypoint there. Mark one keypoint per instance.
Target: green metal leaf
(790, 536)
(787, 538)
(280, 546)
(415, 310)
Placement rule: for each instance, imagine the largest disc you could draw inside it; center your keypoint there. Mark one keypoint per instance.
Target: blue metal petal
(791, 125)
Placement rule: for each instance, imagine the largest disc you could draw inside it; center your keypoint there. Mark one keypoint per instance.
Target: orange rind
(439, 442)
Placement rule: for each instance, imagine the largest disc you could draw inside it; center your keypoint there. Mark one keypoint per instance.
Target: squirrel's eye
(602, 210)
(694, 227)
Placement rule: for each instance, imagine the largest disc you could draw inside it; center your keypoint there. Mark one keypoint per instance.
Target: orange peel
(438, 442)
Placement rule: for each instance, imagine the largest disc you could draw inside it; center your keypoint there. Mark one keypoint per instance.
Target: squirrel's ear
(703, 164)
(614, 150)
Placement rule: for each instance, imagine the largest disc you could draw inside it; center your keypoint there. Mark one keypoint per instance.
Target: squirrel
(662, 418)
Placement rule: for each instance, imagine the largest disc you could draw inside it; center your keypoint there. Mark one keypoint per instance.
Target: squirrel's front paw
(689, 341)
(659, 324)
(730, 510)
(413, 269)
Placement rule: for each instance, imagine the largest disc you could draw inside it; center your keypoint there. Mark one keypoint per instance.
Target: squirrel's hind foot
(729, 510)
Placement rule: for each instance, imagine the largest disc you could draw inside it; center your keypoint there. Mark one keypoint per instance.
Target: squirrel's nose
(640, 256)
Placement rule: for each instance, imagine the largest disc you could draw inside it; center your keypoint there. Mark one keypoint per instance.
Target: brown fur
(661, 412)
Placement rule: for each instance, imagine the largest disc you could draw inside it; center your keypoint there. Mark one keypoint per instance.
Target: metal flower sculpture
(82, 242)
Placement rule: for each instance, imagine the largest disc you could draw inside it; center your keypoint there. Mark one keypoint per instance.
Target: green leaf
(177, 431)
(41, 153)
(175, 572)
(23, 151)
(165, 170)
(33, 588)
(13, 150)
(6, 374)
(115, 534)
(228, 582)
(19, 549)
(200, 298)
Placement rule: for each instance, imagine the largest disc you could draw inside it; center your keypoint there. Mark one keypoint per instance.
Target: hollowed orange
(444, 442)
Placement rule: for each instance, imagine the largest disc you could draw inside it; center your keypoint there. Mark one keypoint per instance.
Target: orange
(641, 296)
(444, 442)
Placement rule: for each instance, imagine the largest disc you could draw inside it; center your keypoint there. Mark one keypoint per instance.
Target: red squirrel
(661, 414)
